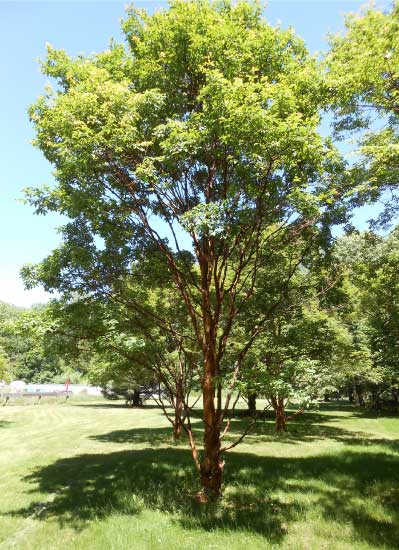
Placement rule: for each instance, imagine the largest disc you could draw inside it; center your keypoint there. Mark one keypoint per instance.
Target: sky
(82, 27)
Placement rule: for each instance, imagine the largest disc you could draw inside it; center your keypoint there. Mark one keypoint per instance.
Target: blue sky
(25, 27)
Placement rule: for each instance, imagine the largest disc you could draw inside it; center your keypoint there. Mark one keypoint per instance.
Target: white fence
(74, 388)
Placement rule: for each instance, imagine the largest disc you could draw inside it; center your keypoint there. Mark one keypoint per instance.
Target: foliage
(372, 265)
(301, 356)
(33, 350)
(6, 374)
(363, 78)
(203, 130)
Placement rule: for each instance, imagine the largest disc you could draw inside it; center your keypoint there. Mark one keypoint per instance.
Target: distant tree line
(30, 350)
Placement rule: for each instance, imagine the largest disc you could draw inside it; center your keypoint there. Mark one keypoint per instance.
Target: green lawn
(95, 475)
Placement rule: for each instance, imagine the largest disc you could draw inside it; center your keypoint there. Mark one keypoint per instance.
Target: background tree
(6, 374)
(130, 350)
(363, 76)
(35, 352)
(371, 264)
(299, 358)
(381, 301)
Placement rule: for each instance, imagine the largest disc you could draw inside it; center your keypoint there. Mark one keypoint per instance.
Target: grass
(95, 475)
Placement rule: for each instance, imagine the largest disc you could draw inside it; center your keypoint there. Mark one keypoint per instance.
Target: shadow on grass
(5, 423)
(265, 494)
(116, 405)
(309, 427)
(152, 436)
(264, 433)
(356, 411)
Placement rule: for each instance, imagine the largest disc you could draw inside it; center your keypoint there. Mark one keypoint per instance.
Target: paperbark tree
(201, 133)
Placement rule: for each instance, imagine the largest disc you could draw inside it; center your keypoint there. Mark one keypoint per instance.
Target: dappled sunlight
(264, 494)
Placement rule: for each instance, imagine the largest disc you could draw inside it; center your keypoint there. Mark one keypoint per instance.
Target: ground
(96, 475)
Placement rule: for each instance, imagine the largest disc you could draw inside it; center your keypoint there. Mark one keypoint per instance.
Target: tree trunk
(252, 405)
(395, 397)
(136, 399)
(281, 424)
(133, 399)
(178, 419)
(375, 400)
(211, 468)
(279, 409)
(359, 400)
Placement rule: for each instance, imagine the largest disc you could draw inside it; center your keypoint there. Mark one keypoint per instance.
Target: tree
(35, 351)
(299, 359)
(372, 263)
(363, 76)
(129, 350)
(202, 133)
(23, 341)
(381, 302)
(5, 367)
(8, 314)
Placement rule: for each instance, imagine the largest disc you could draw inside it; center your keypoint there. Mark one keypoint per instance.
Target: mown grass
(95, 475)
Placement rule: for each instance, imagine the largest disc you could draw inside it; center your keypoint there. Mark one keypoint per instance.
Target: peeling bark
(211, 468)
(279, 409)
(281, 423)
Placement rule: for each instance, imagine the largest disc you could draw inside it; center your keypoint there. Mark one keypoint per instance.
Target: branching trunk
(281, 424)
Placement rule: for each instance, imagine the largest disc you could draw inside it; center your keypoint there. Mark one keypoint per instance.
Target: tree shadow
(261, 433)
(356, 411)
(93, 486)
(264, 494)
(117, 405)
(309, 428)
(335, 405)
(5, 423)
(306, 429)
(152, 436)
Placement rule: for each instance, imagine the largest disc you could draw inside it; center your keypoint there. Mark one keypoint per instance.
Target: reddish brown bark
(281, 425)
(211, 468)
(279, 409)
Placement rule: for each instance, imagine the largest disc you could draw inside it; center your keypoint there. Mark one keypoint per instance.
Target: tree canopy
(200, 197)
(363, 77)
(202, 130)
